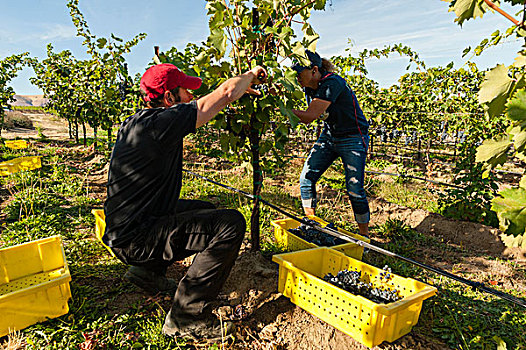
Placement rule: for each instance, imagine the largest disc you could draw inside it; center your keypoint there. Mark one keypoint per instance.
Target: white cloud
(426, 27)
(44, 32)
(58, 32)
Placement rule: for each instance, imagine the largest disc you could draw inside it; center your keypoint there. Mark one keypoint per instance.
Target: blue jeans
(326, 150)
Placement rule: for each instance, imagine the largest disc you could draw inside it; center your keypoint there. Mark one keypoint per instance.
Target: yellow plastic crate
(18, 164)
(292, 242)
(100, 226)
(301, 279)
(34, 284)
(16, 144)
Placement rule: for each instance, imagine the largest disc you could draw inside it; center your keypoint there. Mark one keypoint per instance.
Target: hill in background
(29, 100)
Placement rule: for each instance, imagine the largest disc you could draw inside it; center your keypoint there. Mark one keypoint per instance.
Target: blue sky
(424, 25)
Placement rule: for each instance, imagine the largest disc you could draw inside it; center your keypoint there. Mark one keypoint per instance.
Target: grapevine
(9, 68)
(503, 94)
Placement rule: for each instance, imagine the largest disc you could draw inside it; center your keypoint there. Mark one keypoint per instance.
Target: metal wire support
(332, 232)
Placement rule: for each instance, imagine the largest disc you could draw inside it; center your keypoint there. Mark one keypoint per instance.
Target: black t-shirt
(145, 172)
(344, 115)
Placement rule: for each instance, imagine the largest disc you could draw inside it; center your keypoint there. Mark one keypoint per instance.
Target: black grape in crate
(350, 282)
(316, 237)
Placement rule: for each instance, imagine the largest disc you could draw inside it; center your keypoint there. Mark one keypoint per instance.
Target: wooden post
(109, 137)
(76, 131)
(455, 145)
(257, 182)
(94, 139)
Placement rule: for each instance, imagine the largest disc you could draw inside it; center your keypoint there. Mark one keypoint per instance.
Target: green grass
(52, 201)
(409, 194)
(106, 312)
(458, 315)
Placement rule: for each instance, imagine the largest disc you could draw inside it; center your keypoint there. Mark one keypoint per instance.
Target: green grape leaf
(265, 102)
(519, 141)
(522, 183)
(311, 41)
(287, 112)
(320, 4)
(520, 61)
(516, 108)
(466, 51)
(262, 116)
(224, 140)
(493, 151)
(501, 344)
(510, 207)
(217, 40)
(202, 59)
(285, 33)
(467, 9)
(298, 94)
(495, 89)
(236, 127)
(299, 52)
(513, 241)
(101, 43)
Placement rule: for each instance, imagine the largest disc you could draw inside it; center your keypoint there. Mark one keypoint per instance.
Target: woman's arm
(316, 108)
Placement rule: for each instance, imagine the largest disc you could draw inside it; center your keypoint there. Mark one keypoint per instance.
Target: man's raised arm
(228, 92)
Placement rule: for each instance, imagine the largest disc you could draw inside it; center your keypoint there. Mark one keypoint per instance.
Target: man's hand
(228, 92)
(260, 76)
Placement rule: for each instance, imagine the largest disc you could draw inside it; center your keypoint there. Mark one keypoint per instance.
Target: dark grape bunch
(263, 88)
(314, 236)
(350, 282)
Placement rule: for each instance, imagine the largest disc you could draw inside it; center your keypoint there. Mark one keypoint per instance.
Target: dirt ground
(50, 126)
(268, 320)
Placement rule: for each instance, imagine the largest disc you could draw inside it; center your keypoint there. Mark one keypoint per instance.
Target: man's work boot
(150, 281)
(209, 329)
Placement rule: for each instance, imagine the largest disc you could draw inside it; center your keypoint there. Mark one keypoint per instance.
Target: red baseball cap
(164, 77)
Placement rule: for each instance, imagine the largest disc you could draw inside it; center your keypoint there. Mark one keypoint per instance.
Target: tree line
(487, 105)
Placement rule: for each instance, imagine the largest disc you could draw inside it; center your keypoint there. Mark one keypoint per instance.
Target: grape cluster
(123, 90)
(263, 88)
(388, 135)
(410, 139)
(314, 236)
(350, 282)
(460, 136)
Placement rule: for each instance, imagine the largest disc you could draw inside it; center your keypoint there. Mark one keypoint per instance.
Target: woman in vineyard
(344, 135)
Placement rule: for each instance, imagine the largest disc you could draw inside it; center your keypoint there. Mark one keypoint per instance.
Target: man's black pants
(214, 235)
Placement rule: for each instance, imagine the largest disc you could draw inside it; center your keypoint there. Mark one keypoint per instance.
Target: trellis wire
(476, 285)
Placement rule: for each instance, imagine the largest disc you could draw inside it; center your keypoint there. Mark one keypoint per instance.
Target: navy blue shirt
(344, 116)
(145, 173)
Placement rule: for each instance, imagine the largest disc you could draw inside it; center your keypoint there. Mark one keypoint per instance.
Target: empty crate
(18, 164)
(100, 226)
(16, 144)
(34, 284)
